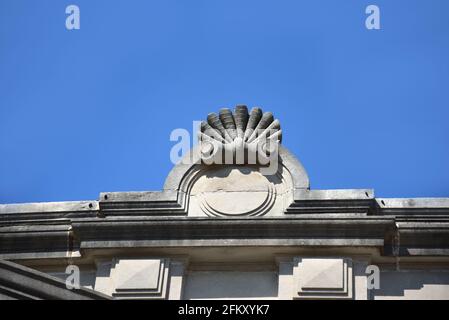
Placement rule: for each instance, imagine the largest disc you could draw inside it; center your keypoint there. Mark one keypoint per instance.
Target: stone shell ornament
(239, 137)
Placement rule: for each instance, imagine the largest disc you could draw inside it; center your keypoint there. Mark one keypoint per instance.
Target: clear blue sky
(91, 110)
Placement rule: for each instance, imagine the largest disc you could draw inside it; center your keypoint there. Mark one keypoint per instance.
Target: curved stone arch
(296, 169)
(191, 161)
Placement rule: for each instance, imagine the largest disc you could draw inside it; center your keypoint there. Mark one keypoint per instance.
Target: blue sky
(91, 110)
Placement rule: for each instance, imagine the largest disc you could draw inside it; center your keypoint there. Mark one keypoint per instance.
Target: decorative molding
(239, 137)
(323, 278)
(140, 278)
(235, 192)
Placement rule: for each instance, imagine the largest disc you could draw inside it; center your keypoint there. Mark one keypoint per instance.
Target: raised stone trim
(141, 278)
(323, 278)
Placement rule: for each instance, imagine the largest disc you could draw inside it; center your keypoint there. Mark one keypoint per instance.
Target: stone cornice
(315, 218)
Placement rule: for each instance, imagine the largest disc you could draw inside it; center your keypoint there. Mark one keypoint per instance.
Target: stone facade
(220, 231)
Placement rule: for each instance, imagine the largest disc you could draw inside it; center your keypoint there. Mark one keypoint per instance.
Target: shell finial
(240, 131)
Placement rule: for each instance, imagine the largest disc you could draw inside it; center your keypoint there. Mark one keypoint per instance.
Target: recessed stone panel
(321, 274)
(325, 278)
(138, 274)
(140, 278)
(234, 191)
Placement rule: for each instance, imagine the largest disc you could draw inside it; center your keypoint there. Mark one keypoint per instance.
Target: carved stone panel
(234, 191)
(325, 278)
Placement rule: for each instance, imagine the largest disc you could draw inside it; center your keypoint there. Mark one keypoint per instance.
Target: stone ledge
(19, 282)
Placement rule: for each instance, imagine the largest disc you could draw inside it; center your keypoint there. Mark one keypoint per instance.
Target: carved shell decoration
(240, 137)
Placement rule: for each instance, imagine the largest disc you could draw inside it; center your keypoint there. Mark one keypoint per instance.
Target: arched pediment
(240, 187)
